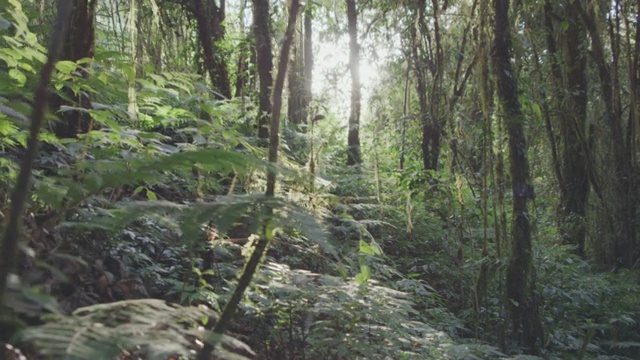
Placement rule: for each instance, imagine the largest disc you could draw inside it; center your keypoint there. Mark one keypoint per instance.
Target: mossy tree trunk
(621, 250)
(522, 304)
(568, 70)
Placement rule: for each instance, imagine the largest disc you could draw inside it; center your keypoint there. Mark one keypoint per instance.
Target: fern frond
(151, 327)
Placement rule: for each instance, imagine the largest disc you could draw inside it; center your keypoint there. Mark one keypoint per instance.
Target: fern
(151, 327)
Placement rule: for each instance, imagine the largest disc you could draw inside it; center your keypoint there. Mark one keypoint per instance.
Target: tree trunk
(261, 246)
(300, 75)
(307, 94)
(10, 252)
(132, 107)
(79, 43)
(428, 61)
(210, 18)
(435, 124)
(242, 76)
(419, 68)
(353, 144)
(621, 250)
(526, 327)
(569, 73)
(262, 33)
(244, 57)
(296, 86)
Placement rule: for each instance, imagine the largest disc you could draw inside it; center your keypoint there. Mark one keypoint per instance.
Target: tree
(621, 250)
(353, 140)
(245, 56)
(79, 43)
(296, 83)
(522, 303)
(568, 70)
(300, 73)
(262, 34)
(428, 62)
(308, 61)
(420, 70)
(210, 18)
(12, 232)
(262, 243)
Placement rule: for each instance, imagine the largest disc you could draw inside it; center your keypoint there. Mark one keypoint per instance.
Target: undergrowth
(166, 207)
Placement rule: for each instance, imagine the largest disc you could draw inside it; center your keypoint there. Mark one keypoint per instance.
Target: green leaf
(66, 66)
(365, 248)
(364, 275)
(536, 109)
(151, 195)
(160, 81)
(9, 57)
(373, 249)
(18, 76)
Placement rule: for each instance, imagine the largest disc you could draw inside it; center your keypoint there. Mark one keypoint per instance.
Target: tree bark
(622, 250)
(262, 34)
(569, 73)
(428, 61)
(354, 156)
(300, 75)
(246, 52)
(307, 94)
(79, 43)
(210, 18)
(526, 327)
(296, 86)
(132, 107)
(419, 68)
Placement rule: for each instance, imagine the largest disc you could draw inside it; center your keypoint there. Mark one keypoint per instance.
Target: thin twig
(8, 261)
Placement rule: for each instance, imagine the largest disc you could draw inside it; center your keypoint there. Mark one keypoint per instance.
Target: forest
(319, 179)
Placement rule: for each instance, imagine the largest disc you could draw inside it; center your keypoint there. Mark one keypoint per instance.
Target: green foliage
(324, 317)
(20, 57)
(151, 327)
(374, 262)
(590, 313)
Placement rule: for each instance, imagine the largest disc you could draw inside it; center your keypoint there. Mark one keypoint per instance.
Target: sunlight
(332, 80)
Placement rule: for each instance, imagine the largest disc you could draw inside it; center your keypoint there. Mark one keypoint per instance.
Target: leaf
(625, 344)
(212, 109)
(151, 195)
(158, 328)
(160, 81)
(66, 66)
(364, 275)
(18, 76)
(536, 109)
(365, 248)
(8, 57)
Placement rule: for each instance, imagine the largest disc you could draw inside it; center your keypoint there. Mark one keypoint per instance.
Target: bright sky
(332, 79)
